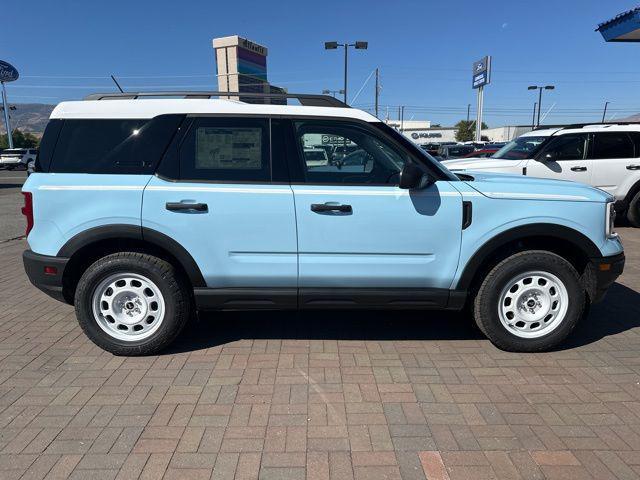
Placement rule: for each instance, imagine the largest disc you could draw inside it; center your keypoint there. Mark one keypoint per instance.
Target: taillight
(27, 210)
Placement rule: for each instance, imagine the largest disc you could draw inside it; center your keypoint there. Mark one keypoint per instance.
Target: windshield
(521, 147)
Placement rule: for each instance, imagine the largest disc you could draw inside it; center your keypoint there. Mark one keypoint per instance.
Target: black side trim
(605, 278)
(366, 298)
(114, 232)
(467, 214)
(34, 264)
(245, 298)
(521, 233)
(327, 298)
(97, 234)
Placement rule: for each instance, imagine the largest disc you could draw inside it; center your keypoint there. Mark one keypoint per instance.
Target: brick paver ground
(318, 395)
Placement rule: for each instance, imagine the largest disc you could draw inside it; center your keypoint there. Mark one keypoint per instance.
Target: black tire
(487, 301)
(174, 292)
(633, 211)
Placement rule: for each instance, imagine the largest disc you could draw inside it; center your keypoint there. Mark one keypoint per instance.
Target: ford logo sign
(8, 72)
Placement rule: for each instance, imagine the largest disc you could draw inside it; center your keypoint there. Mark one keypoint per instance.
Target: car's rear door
(217, 194)
(563, 158)
(616, 166)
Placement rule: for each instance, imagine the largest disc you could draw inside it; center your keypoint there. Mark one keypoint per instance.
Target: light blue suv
(144, 210)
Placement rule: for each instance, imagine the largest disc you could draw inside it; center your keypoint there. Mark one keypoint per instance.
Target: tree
(466, 130)
(20, 140)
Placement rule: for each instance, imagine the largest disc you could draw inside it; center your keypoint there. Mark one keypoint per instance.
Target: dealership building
(422, 131)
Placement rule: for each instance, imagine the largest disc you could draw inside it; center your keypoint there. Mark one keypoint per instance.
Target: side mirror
(412, 176)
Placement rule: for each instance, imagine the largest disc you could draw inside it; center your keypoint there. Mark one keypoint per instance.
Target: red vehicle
(482, 153)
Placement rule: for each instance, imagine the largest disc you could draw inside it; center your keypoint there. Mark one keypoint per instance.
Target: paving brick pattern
(321, 395)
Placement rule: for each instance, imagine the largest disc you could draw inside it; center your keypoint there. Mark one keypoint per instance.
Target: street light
(332, 92)
(357, 45)
(536, 87)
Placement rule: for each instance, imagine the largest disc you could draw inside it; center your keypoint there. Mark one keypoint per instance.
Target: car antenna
(117, 84)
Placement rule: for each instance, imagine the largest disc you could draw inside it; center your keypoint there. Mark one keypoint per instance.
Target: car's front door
(224, 205)
(358, 230)
(564, 158)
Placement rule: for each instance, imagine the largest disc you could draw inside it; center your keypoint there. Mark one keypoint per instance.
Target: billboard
(481, 72)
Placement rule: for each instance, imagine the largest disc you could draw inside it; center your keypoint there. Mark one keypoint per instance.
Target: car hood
(507, 186)
(480, 163)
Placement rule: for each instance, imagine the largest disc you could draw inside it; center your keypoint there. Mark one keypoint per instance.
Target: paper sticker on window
(229, 148)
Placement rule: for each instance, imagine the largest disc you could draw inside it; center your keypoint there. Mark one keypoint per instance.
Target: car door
(217, 194)
(615, 164)
(358, 230)
(564, 158)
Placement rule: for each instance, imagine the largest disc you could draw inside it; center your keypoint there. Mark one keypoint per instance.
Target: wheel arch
(86, 247)
(567, 242)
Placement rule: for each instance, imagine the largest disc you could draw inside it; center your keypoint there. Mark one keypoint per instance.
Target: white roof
(149, 108)
(590, 128)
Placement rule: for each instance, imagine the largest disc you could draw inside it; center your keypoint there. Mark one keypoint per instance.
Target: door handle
(633, 167)
(185, 207)
(578, 169)
(328, 207)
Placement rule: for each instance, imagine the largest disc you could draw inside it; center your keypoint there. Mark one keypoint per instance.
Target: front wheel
(131, 303)
(529, 302)
(633, 211)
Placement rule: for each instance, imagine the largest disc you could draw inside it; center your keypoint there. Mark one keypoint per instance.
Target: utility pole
(6, 116)
(604, 114)
(479, 114)
(377, 89)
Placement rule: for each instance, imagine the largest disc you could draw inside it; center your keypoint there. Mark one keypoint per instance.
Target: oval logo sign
(8, 72)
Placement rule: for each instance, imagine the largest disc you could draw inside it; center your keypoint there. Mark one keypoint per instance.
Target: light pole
(334, 45)
(332, 92)
(536, 87)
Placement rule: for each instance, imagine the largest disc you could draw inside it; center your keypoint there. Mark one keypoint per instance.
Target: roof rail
(582, 125)
(306, 99)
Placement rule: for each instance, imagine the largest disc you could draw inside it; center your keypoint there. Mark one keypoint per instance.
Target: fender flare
(134, 232)
(549, 230)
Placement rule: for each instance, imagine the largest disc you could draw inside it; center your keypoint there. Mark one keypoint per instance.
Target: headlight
(610, 218)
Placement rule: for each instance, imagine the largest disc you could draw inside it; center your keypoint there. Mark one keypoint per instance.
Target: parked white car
(19, 158)
(606, 156)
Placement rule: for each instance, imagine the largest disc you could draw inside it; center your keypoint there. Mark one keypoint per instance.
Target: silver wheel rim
(128, 306)
(533, 304)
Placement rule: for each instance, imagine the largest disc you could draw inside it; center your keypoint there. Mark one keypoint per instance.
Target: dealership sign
(8, 72)
(417, 135)
(481, 72)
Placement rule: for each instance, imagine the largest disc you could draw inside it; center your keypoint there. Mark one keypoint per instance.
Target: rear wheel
(529, 302)
(131, 303)
(633, 211)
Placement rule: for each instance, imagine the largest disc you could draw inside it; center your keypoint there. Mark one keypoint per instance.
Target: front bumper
(605, 270)
(49, 282)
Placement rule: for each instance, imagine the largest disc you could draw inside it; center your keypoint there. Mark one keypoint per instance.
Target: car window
(358, 156)
(612, 145)
(520, 148)
(126, 146)
(227, 149)
(567, 147)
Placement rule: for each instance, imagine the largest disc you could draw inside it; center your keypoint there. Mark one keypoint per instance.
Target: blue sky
(66, 49)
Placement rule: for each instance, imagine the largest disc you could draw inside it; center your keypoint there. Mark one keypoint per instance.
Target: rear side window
(47, 145)
(613, 145)
(229, 149)
(124, 146)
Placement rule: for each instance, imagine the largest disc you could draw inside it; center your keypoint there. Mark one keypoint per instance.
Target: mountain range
(28, 117)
